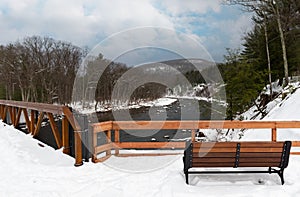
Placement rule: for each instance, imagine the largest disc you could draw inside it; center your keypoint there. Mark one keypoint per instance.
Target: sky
(86, 23)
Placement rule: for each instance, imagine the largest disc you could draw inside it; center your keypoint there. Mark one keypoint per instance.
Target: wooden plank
(274, 134)
(1, 110)
(55, 130)
(258, 160)
(210, 154)
(155, 145)
(16, 123)
(214, 150)
(243, 154)
(257, 155)
(42, 107)
(4, 113)
(117, 140)
(212, 165)
(78, 148)
(202, 124)
(296, 143)
(102, 148)
(224, 150)
(26, 119)
(146, 154)
(214, 160)
(108, 140)
(102, 159)
(214, 144)
(71, 119)
(229, 164)
(254, 150)
(295, 153)
(65, 135)
(38, 124)
(77, 135)
(266, 164)
(193, 133)
(32, 121)
(263, 144)
(103, 126)
(13, 115)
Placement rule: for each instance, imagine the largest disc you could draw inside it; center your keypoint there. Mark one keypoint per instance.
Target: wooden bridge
(35, 113)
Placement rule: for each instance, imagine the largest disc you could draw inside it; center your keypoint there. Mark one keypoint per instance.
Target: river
(182, 109)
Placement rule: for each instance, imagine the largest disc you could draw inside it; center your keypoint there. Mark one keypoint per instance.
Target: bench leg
(186, 177)
(280, 173)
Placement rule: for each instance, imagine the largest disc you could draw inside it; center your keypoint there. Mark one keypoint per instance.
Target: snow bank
(288, 109)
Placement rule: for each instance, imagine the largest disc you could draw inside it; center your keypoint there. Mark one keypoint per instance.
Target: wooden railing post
(95, 144)
(77, 135)
(78, 148)
(117, 140)
(65, 135)
(108, 138)
(32, 121)
(193, 133)
(1, 111)
(274, 134)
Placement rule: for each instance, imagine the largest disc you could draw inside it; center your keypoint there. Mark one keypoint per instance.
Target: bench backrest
(237, 154)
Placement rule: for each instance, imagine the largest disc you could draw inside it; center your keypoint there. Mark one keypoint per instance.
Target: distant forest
(42, 69)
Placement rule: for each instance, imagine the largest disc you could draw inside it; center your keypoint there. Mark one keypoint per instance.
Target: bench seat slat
(210, 154)
(231, 159)
(251, 150)
(247, 154)
(213, 159)
(243, 144)
(212, 165)
(258, 154)
(266, 164)
(230, 164)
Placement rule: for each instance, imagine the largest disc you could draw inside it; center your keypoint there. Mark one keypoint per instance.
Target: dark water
(184, 109)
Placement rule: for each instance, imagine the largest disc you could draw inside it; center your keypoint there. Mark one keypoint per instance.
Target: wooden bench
(236, 154)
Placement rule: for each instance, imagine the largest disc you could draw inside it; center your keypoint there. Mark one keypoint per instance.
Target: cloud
(76, 21)
(86, 23)
(179, 7)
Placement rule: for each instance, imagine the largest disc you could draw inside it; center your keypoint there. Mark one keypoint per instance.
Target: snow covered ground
(28, 169)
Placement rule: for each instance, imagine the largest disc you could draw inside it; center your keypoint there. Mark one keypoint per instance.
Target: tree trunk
(285, 62)
(268, 57)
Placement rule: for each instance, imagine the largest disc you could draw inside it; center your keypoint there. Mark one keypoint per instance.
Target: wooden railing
(14, 110)
(116, 126)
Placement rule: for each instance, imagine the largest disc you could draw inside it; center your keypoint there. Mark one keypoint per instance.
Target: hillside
(285, 107)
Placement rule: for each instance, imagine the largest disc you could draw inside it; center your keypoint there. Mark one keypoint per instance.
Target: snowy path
(28, 169)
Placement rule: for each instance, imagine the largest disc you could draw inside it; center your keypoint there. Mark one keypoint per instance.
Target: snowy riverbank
(103, 108)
